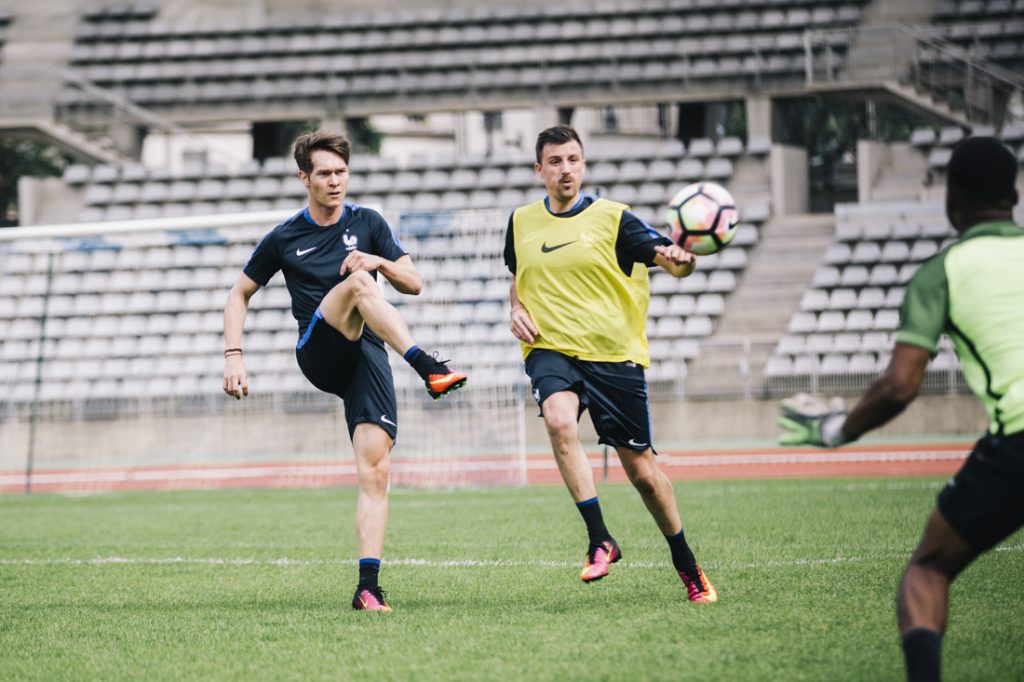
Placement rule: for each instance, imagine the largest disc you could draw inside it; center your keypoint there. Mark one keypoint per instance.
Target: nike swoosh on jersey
(544, 248)
(303, 252)
(385, 419)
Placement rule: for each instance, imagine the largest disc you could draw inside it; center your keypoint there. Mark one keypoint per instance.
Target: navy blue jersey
(635, 243)
(310, 255)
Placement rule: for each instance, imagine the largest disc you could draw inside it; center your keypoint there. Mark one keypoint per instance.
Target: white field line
(450, 563)
(123, 475)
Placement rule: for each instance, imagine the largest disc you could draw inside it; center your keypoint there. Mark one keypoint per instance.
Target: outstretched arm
(523, 326)
(890, 393)
(676, 260)
(401, 273)
(236, 384)
(808, 421)
(638, 242)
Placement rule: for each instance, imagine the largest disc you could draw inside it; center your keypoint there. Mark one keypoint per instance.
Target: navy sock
(420, 361)
(368, 571)
(590, 510)
(682, 555)
(922, 650)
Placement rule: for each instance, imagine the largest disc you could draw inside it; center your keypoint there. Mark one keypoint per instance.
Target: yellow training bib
(569, 280)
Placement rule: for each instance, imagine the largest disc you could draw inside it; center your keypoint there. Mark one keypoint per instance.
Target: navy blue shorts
(614, 392)
(984, 501)
(358, 372)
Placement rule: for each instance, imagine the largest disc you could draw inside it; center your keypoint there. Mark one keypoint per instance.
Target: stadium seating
(843, 331)
(991, 29)
(421, 54)
(129, 316)
(469, 287)
(937, 143)
(643, 175)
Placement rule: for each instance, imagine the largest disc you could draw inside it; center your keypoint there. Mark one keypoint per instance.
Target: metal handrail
(817, 37)
(114, 99)
(994, 70)
(970, 64)
(119, 103)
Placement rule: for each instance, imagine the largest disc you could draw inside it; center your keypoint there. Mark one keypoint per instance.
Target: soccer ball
(703, 218)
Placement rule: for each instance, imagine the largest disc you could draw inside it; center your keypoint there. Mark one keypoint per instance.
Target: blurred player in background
(330, 254)
(974, 292)
(579, 307)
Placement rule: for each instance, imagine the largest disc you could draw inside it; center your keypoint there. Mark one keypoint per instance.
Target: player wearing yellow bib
(973, 291)
(579, 307)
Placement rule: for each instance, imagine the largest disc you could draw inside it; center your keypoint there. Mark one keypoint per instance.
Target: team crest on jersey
(351, 241)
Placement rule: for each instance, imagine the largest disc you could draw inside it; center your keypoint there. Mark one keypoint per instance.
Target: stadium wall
(789, 179)
(676, 425)
(718, 423)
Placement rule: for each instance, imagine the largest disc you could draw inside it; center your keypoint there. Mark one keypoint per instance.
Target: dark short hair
(556, 135)
(982, 171)
(325, 140)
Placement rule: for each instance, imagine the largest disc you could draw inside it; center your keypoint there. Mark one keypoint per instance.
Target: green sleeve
(925, 307)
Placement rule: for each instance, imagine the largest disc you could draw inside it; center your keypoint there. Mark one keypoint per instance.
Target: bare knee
(643, 476)
(941, 552)
(361, 285)
(922, 598)
(646, 485)
(373, 478)
(346, 298)
(918, 574)
(562, 427)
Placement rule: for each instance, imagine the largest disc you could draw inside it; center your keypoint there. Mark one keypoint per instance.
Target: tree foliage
(22, 157)
(829, 128)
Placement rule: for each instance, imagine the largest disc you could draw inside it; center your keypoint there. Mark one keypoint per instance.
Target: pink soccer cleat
(370, 600)
(599, 557)
(700, 590)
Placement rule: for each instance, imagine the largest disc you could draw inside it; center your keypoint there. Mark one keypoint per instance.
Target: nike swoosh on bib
(544, 248)
(303, 252)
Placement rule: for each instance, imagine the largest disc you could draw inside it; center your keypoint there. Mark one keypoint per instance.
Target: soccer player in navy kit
(330, 254)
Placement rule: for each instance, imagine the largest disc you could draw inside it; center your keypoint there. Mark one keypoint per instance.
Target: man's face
(561, 168)
(327, 182)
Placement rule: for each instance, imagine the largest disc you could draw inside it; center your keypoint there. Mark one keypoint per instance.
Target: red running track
(688, 465)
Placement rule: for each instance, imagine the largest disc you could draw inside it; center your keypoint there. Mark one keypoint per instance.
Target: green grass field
(256, 585)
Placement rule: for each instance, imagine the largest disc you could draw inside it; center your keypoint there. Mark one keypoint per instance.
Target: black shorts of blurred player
(984, 501)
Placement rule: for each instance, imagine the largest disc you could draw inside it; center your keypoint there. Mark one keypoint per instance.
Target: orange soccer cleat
(442, 380)
(700, 590)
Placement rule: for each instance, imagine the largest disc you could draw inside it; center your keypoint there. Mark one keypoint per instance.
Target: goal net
(110, 362)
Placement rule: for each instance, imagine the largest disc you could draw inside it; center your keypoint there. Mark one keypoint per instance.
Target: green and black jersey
(974, 291)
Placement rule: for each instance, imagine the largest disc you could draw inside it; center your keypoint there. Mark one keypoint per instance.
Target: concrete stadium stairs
(758, 311)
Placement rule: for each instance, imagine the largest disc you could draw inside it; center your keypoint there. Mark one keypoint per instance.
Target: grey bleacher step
(779, 271)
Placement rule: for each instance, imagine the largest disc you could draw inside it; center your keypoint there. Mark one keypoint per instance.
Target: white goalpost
(110, 362)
